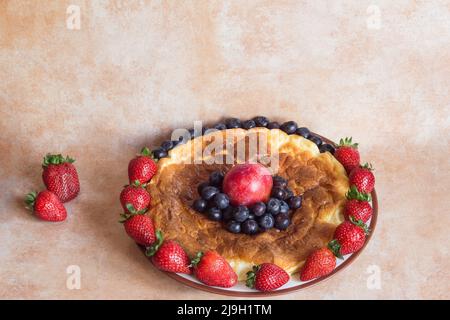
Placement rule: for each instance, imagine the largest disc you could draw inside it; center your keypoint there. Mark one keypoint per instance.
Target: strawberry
(319, 263)
(363, 178)
(349, 237)
(60, 176)
(169, 255)
(357, 206)
(135, 195)
(46, 206)
(213, 270)
(347, 154)
(139, 226)
(267, 277)
(142, 168)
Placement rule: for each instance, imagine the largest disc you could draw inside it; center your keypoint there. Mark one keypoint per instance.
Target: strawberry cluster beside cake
(260, 199)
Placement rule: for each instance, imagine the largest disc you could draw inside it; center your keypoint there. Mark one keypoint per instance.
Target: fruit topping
(347, 154)
(247, 184)
(267, 277)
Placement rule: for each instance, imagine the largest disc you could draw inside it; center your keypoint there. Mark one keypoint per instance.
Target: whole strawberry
(135, 195)
(169, 255)
(363, 178)
(347, 154)
(349, 237)
(142, 168)
(213, 270)
(358, 206)
(319, 263)
(46, 206)
(139, 227)
(267, 277)
(60, 176)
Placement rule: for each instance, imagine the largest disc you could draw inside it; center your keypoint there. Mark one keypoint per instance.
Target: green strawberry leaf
(197, 259)
(146, 151)
(347, 142)
(251, 277)
(30, 199)
(150, 251)
(353, 193)
(335, 247)
(56, 159)
(360, 224)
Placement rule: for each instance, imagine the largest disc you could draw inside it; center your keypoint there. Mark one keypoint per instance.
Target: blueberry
(228, 213)
(304, 132)
(199, 205)
(273, 206)
(267, 221)
(316, 140)
(259, 209)
(289, 127)
(220, 126)
(251, 216)
(201, 186)
(279, 182)
(295, 202)
(214, 214)
(250, 227)
(327, 147)
(233, 226)
(232, 123)
(176, 142)
(273, 125)
(209, 192)
(284, 207)
(240, 213)
(278, 193)
(159, 153)
(167, 145)
(261, 121)
(248, 124)
(289, 193)
(216, 178)
(282, 221)
(221, 200)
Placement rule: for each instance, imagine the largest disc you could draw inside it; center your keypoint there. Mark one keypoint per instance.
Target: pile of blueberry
(249, 220)
(290, 127)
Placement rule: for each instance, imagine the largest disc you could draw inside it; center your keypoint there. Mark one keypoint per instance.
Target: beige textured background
(137, 69)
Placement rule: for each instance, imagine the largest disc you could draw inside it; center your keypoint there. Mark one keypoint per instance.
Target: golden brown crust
(319, 177)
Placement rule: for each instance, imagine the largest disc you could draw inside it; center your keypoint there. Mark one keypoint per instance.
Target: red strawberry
(142, 168)
(213, 270)
(357, 206)
(60, 176)
(349, 237)
(135, 195)
(363, 178)
(169, 256)
(46, 206)
(139, 227)
(347, 154)
(319, 263)
(267, 277)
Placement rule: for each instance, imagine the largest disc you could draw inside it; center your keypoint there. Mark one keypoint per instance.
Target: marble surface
(135, 70)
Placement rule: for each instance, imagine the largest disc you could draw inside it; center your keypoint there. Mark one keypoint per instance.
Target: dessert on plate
(261, 200)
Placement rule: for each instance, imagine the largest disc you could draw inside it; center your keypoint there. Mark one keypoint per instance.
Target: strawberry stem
(251, 277)
(150, 251)
(353, 193)
(197, 259)
(360, 224)
(56, 159)
(335, 247)
(30, 199)
(347, 142)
